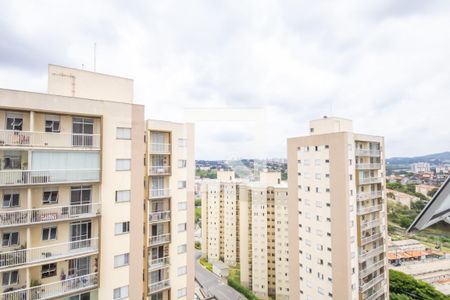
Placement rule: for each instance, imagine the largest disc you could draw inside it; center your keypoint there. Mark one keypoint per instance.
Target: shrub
(241, 289)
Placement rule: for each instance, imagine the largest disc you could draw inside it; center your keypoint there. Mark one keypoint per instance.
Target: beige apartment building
(252, 218)
(170, 210)
(337, 213)
(72, 189)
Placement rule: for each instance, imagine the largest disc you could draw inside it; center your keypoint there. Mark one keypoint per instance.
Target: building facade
(337, 213)
(71, 185)
(253, 218)
(170, 210)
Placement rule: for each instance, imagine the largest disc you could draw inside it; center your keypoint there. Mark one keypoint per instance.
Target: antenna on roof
(95, 57)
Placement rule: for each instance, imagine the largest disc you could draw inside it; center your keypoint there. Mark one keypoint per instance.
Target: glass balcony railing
(159, 148)
(369, 195)
(371, 253)
(362, 210)
(368, 239)
(54, 290)
(367, 152)
(370, 180)
(159, 193)
(159, 216)
(368, 166)
(159, 170)
(159, 263)
(49, 139)
(159, 239)
(48, 214)
(38, 177)
(47, 253)
(159, 286)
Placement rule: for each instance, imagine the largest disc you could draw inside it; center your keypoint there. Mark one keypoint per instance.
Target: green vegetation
(405, 287)
(198, 202)
(401, 214)
(407, 189)
(234, 280)
(198, 246)
(432, 192)
(211, 174)
(206, 264)
(198, 215)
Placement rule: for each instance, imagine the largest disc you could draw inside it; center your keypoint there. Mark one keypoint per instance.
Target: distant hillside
(435, 158)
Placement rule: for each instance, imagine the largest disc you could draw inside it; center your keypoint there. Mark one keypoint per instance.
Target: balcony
(369, 209)
(365, 285)
(49, 140)
(370, 269)
(159, 239)
(54, 290)
(371, 238)
(159, 263)
(370, 180)
(367, 152)
(22, 257)
(33, 177)
(370, 224)
(368, 166)
(159, 286)
(371, 253)
(159, 148)
(48, 214)
(376, 294)
(369, 195)
(159, 193)
(159, 170)
(160, 216)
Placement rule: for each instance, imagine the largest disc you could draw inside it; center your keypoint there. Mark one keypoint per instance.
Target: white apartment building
(254, 217)
(170, 210)
(72, 191)
(420, 167)
(337, 213)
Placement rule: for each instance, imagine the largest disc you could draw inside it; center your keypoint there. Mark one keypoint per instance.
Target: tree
(432, 192)
(405, 287)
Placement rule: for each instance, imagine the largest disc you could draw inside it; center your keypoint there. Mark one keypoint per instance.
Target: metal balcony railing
(363, 286)
(159, 148)
(48, 214)
(371, 238)
(159, 263)
(38, 177)
(367, 152)
(55, 289)
(369, 195)
(159, 216)
(49, 139)
(371, 253)
(370, 180)
(370, 224)
(159, 239)
(159, 170)
(159, 193)
(371, 268)
(369, 209)
(159, 286)
(368, 166)
(46, 253)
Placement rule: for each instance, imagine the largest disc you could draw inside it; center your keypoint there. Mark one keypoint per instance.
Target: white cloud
(383, 64)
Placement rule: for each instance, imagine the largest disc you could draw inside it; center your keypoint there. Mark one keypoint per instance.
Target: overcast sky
(385, 64)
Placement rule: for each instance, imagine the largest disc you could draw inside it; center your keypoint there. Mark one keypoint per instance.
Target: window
(121, 228)
(85, 296)
(181, 293)
(14, 121)
(50, 197)
(123, 196)
(182, 227)
(49, 233)
(123, 164)
(11, 199)
(121, 260)
(10, 278)
(120, 293)
(52, 124)
(182, 142)
(181, 184)
(181, 249)
(181, 270)
(10, 239)
(182, 205)
(82, 129)
(181, 163)
(123, 133)
(12, 160)
(48, 270)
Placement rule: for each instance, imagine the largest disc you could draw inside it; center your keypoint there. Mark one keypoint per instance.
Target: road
(213, 284)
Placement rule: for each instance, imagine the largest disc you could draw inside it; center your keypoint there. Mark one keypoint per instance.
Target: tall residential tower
(337, 213)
